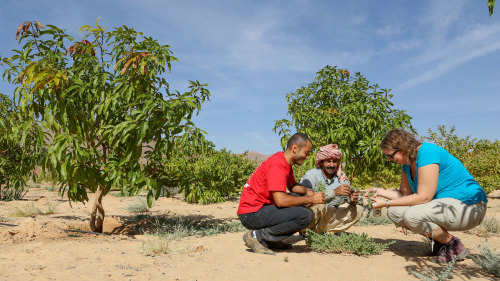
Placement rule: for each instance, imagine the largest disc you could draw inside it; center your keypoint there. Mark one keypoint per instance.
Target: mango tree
(103, 100)
(17, 156)
(349, 111)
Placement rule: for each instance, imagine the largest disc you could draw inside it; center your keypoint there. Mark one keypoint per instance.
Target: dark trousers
(275, 224)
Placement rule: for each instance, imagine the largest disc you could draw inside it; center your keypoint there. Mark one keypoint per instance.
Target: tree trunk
(97, 215)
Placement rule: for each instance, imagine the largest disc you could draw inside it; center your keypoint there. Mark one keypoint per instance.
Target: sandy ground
(39, 249)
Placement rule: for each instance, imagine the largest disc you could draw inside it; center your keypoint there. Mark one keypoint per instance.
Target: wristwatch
(387, 203)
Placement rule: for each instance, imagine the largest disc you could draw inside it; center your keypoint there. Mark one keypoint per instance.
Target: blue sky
(440, 58)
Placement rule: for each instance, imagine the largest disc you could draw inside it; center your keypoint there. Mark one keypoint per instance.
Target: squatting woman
(437, 194)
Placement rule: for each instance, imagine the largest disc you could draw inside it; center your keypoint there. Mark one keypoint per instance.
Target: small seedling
(285, 259)
(321, 187)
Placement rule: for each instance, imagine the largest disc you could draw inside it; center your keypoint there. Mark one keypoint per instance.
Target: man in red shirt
(266, 209)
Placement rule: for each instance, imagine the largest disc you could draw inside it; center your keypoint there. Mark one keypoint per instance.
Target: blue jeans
(275, 224)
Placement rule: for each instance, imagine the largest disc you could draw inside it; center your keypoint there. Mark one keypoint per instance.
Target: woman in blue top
(437, 194)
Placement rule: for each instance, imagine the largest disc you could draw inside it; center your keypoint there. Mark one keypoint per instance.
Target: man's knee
(304, 217)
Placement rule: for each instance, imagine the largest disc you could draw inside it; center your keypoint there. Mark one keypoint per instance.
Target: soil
(54, 246)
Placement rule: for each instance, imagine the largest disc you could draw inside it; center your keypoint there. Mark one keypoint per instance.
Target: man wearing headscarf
(329, 177)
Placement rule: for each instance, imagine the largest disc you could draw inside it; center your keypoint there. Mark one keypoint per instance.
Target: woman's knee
(416, 222)
(395, 214)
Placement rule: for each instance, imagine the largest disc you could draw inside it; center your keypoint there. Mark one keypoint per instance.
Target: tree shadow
(408, 249)
(183, 225)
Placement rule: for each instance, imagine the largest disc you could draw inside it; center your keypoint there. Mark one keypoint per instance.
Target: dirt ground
(38, 248)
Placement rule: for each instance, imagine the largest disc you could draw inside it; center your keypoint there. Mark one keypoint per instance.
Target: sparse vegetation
(488, 260)
(179, 227)
(371, 220)
(30, 210)
(138, 206)
(154, 246)
(360, 245)
(12, 193)
(432, 275)
(488, 226)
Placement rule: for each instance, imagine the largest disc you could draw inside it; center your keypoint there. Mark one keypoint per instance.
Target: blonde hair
(401, 140)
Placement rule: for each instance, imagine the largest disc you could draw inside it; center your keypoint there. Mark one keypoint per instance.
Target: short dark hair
(299, 139)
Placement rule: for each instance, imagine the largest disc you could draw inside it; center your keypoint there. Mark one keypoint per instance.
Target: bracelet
(387, 203)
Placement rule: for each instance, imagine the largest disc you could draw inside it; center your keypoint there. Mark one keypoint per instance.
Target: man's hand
(343, 190)
(309, 192)
(318, 198)
(354, 195)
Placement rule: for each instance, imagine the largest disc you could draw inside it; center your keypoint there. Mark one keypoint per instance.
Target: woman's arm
(404, 189)
(427, 185)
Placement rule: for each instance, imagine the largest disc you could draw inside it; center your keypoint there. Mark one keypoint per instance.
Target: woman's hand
(372, 190)
(377, 202)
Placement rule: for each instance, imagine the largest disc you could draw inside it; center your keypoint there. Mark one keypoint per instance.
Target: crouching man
(328, 176)
(269, 213)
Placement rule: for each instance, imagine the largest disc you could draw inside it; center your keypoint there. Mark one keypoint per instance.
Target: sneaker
(458, 249)
(279, 245)
(451, 249)
(255, 245)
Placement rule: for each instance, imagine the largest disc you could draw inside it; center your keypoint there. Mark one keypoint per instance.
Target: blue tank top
(454, 180)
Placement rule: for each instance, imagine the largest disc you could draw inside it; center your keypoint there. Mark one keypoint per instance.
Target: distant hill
(257, 157)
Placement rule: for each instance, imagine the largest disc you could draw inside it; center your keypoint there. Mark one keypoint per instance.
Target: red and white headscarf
(331, 151)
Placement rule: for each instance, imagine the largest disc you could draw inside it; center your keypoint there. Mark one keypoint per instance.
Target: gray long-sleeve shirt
(315, 177)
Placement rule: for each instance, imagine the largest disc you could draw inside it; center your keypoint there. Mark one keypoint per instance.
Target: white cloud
(436, 61)
(440, 18)
(388, 30)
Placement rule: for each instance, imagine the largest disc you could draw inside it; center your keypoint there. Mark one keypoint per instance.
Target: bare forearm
(389, 194)
(299, 189)
(290, 201)
(409, 200)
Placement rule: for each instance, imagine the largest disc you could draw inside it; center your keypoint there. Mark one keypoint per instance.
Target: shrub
(488, 260)
(154, 246)
(207, 176)
(371, 220)
(360, 245)
(432, 275)
(480, 157)
(138, 206)
(10, 193)
(30, 210)
(487, 226)
(179, 227)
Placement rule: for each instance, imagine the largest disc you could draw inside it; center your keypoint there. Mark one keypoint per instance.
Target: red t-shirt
(274, 174)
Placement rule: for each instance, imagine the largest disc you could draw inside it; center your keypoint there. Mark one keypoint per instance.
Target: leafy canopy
(101, 102)
(343, 109)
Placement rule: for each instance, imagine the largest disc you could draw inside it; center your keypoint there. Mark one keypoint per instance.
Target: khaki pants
(333, 219)
(448, 213)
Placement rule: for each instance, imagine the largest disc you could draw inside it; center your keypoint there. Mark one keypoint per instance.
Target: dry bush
(30, 210)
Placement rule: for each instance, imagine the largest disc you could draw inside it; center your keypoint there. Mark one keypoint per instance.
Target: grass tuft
(30, 210)
(138, 206)
(360, 245)
(488, 226)
(155, 246)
